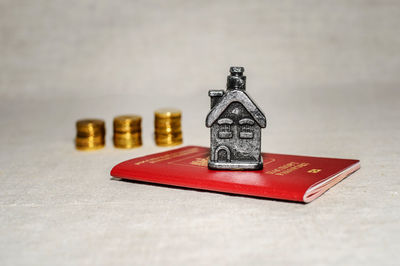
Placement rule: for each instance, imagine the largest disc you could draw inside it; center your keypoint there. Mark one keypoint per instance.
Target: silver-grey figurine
(235, 124)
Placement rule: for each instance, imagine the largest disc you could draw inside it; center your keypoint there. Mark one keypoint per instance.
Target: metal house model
(235, 123)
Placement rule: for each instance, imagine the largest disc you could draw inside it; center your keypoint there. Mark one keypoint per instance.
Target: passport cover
(284, 177)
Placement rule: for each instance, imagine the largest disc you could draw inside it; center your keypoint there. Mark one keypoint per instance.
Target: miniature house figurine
(235, 123)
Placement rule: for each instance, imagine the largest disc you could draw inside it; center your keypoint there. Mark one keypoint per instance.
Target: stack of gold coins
(127, 131)
(90, 134)
(167, 127)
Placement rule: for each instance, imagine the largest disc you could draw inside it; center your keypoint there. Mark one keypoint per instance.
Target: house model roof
(236, 96)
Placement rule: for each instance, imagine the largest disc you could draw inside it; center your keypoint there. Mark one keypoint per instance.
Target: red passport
(284, 177)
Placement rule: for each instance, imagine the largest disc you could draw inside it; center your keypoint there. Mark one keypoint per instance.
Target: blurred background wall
(68, 48)
(302, 58)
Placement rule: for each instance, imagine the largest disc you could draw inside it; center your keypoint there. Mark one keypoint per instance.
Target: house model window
(225, 131)
(246, 128)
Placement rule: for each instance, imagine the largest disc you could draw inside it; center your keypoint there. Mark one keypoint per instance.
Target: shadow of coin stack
(90, 134)
(127, 131)
(167, 127)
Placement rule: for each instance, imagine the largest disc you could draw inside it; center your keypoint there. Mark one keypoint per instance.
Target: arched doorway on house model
(223, 154)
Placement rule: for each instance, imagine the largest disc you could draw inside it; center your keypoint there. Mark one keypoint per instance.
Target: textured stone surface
(326, 74)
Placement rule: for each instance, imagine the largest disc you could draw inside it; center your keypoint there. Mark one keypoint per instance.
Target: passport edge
(316, 190)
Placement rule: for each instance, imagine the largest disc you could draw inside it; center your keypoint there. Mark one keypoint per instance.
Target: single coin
(168, 113)
(166, 143)
(90, 124)
(168, 130)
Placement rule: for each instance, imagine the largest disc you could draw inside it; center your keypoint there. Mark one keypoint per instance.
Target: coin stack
(90, 134)
(167, 127)
(127, 131)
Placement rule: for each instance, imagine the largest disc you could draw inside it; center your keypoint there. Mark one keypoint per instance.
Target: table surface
(60, 205)
(327, 89)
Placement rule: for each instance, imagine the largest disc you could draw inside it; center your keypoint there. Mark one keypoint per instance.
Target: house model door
(223, 154)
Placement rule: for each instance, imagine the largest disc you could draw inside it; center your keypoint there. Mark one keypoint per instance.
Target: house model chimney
(215, 96)
(236, 80)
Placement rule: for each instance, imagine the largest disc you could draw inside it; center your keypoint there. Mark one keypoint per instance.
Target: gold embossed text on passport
(168, 156)
(287, 168)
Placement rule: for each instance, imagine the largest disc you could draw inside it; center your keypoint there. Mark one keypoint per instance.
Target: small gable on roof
(236, 96)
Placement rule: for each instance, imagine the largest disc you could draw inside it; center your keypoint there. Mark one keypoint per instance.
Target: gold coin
(127, 123)
(161, 119)
(127, 131)
(166, 143)
(90, 131)
(168, 135)
(90, 140)
(168, 139)
(89, 143)
(90, 134)
(168, 130)
(167, 127)
(168, 113)
(127, 135)
(90, 124)
(167, 123)
(127, 143)
(137, 138)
